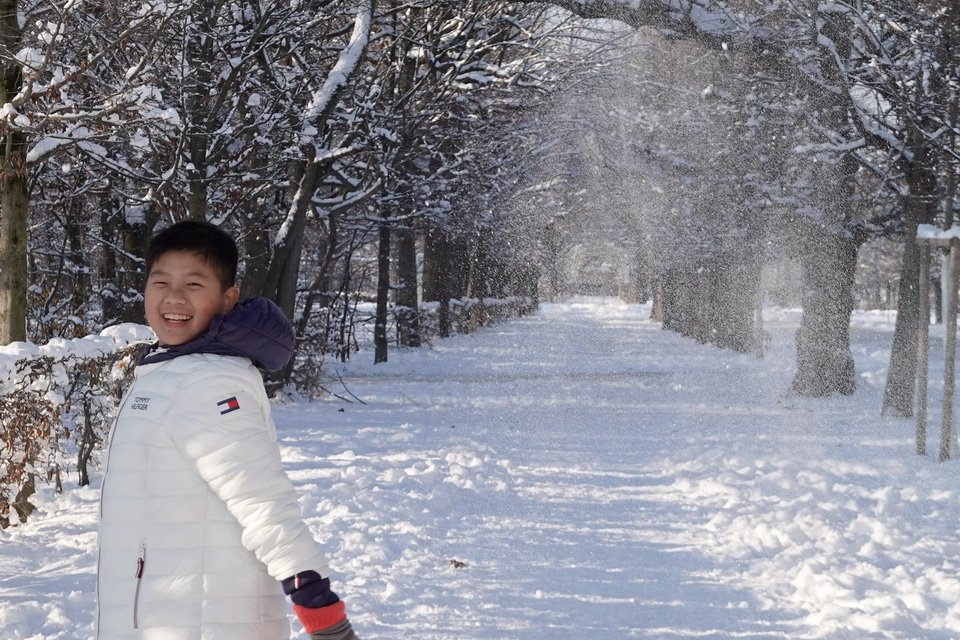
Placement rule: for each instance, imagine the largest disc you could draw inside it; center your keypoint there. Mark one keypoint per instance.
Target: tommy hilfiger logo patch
(140, 403)
(230, 404)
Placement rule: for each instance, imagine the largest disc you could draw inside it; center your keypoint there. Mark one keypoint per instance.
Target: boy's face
(183, 295)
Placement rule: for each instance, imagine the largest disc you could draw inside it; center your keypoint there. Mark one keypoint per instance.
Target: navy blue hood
(256, 328)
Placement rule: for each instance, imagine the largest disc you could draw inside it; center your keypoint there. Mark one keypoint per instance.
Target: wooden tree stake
(949, 357)
(923, 340)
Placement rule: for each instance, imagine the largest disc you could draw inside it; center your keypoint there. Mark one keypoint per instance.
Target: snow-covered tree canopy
(313, 130)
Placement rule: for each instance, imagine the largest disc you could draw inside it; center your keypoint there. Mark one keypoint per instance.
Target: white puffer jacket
(195, 502)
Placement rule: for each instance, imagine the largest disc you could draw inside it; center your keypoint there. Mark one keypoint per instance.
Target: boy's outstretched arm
(235, 451)
(318, 608)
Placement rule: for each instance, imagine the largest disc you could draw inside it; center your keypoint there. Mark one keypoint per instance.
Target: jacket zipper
(141, 562)
(113, 427)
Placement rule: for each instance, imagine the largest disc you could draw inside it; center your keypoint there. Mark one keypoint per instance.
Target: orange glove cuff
(322, 617)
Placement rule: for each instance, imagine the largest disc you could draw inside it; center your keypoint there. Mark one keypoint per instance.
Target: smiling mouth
(176, 317)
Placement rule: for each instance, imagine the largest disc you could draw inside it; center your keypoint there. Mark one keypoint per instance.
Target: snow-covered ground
(598, 478)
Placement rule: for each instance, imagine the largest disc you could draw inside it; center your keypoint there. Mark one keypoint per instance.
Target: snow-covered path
(602, 477)
(598, 478)
(562, 422)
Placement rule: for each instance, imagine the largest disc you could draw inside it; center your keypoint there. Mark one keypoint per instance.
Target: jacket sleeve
(221, 425)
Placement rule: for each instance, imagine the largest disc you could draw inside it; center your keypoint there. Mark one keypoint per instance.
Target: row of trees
(351, 147)
(806, 129)
(396, 147)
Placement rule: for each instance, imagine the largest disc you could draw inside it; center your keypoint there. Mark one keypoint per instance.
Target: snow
(582, 473)
(30, 57)
(933, 232)
(346, 62)
(93, 346)
(73, 135)
(8, 111)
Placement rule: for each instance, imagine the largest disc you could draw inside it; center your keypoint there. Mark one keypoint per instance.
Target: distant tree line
(816, 127)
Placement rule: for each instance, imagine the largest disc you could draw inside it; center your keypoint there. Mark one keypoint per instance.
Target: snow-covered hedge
(56, 404)
(58, 400)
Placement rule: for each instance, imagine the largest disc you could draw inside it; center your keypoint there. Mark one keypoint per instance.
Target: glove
(322, 614)
(340, 631)
(321, 618)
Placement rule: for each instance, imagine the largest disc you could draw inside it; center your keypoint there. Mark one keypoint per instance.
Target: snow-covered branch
(324, 100)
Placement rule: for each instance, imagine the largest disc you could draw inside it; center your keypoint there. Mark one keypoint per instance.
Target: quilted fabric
(195, 501)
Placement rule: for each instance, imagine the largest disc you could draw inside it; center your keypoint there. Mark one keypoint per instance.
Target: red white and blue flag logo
(228, 405)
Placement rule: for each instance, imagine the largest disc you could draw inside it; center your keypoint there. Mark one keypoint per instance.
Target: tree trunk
(437, 277)
(937, 288)
(407, 316)
(400, 83)
(345, 325)
(14, 205)
(485, 280)
(110, 295)
(197, 176)
(283, 273)
(135, 237)
(79, 273)
(256, 245)
(431, 267)
(383, 294)
(670, 313)
(13, 248)
(739, 297)
(201, 56)
(824, 363)
(21, 502)
(555, 282)
(472, 258)
(86, 443)
(460, 253)
(640, 273)
(656, 309)
(921, 203)
(254, 217)
(319, 290)
(901, 376)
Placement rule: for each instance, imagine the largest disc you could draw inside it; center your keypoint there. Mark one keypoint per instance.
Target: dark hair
(206, 240)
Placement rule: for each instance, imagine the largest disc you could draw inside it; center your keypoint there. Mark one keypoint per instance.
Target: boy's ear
(230, 297)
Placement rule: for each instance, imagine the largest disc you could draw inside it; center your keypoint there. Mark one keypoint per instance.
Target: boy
(199, 525)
